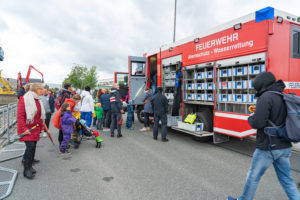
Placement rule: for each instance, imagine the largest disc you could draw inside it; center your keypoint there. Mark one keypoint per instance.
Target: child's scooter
(86, 131)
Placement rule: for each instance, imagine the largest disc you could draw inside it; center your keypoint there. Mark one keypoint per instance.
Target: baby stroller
(87, 133)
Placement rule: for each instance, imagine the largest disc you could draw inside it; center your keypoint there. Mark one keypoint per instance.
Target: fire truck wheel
(140, 113)
(205, 117)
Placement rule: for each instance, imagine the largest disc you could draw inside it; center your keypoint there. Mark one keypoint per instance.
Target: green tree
(81, 76)
(90, 77)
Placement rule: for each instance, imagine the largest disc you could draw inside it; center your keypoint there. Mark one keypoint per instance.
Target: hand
(122, 111)
(27, 132)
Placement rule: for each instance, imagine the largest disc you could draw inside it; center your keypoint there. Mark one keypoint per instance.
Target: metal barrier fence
(8, 118)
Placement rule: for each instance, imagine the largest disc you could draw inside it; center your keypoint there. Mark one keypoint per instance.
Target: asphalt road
(135, 167)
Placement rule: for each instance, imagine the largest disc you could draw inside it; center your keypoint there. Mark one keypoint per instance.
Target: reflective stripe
(233, 116)
(112, 99)
(235, 133)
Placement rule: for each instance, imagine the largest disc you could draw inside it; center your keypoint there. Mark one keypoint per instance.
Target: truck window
(295, 42)
(138, 69)
(122, 79)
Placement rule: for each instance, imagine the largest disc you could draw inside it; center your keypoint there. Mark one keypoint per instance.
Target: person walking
(269, 150)
(30, 113)
(94, 115)
(65, 93)
(56, 121)
(160, 107)
(67, 123)
(130, 113)
(23, 90)
(99, 115)
(106, 109)
(147, 109)
(116, 110)
(87, 106)
(48, 103)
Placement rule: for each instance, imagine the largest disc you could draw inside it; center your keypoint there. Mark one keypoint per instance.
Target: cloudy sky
(52, 35)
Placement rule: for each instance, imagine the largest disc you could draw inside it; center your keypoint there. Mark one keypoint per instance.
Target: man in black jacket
(273, 150)
(116, 110)
(160, 109)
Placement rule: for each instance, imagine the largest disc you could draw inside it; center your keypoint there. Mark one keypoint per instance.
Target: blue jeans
(261, 161)
(87, 116)
(153, 87)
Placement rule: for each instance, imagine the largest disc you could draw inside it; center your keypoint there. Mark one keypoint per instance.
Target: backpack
(58, 102)
(290, 131)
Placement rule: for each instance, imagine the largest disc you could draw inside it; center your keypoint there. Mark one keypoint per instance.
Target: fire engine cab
(210, 74)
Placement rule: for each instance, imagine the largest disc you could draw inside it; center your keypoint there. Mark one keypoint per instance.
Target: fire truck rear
(215, 71)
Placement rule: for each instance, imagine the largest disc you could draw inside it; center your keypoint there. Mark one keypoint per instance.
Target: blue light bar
(264, 14)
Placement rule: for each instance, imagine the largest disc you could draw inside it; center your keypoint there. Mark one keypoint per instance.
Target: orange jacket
(56, 121)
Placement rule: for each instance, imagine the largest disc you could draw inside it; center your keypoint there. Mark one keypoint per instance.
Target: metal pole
(8, 122)
(174, 21)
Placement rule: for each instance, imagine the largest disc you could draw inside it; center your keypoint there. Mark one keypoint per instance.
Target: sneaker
(154, 138)
(119, 135)
(28, 174)
(131, 128)
(165, 140)
(231, 198)
(148, 128)
(143, 129)
(64, 152)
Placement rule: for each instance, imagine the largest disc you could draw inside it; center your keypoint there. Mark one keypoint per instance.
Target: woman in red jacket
(30, 113)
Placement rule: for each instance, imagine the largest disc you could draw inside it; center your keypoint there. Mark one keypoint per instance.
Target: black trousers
(47, 120)
(94, 121)
(115, 117)
(146, 120)
(29, 154)
(163, 119)
(106, 118)
(60, 137)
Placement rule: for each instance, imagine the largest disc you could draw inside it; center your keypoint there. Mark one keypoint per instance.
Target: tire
(140, 114)
(205, 117)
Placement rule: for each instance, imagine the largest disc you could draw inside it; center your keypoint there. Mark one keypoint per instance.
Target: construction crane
(19, 79)
(8, 89)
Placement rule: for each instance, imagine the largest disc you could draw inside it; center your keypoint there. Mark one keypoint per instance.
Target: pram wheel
(98, 144)
(76, 146)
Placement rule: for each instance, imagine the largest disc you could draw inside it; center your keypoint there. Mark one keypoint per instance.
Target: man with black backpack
(270, 109)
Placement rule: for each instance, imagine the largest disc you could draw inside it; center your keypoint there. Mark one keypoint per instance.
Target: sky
(54, 35)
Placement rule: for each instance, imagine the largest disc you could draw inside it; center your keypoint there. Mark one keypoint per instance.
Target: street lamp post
(174, 34)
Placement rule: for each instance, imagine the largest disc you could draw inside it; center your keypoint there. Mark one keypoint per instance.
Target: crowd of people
(36, 106)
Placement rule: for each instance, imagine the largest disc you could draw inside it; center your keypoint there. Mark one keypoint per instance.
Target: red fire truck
(218, 67)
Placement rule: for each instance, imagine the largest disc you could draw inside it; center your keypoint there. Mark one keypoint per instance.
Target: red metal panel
(235, 125)
(251, 38)
(279, 51)
(159, 69)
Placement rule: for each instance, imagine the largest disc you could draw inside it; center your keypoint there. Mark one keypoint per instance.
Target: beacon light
(237, 26)
(279, 19)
